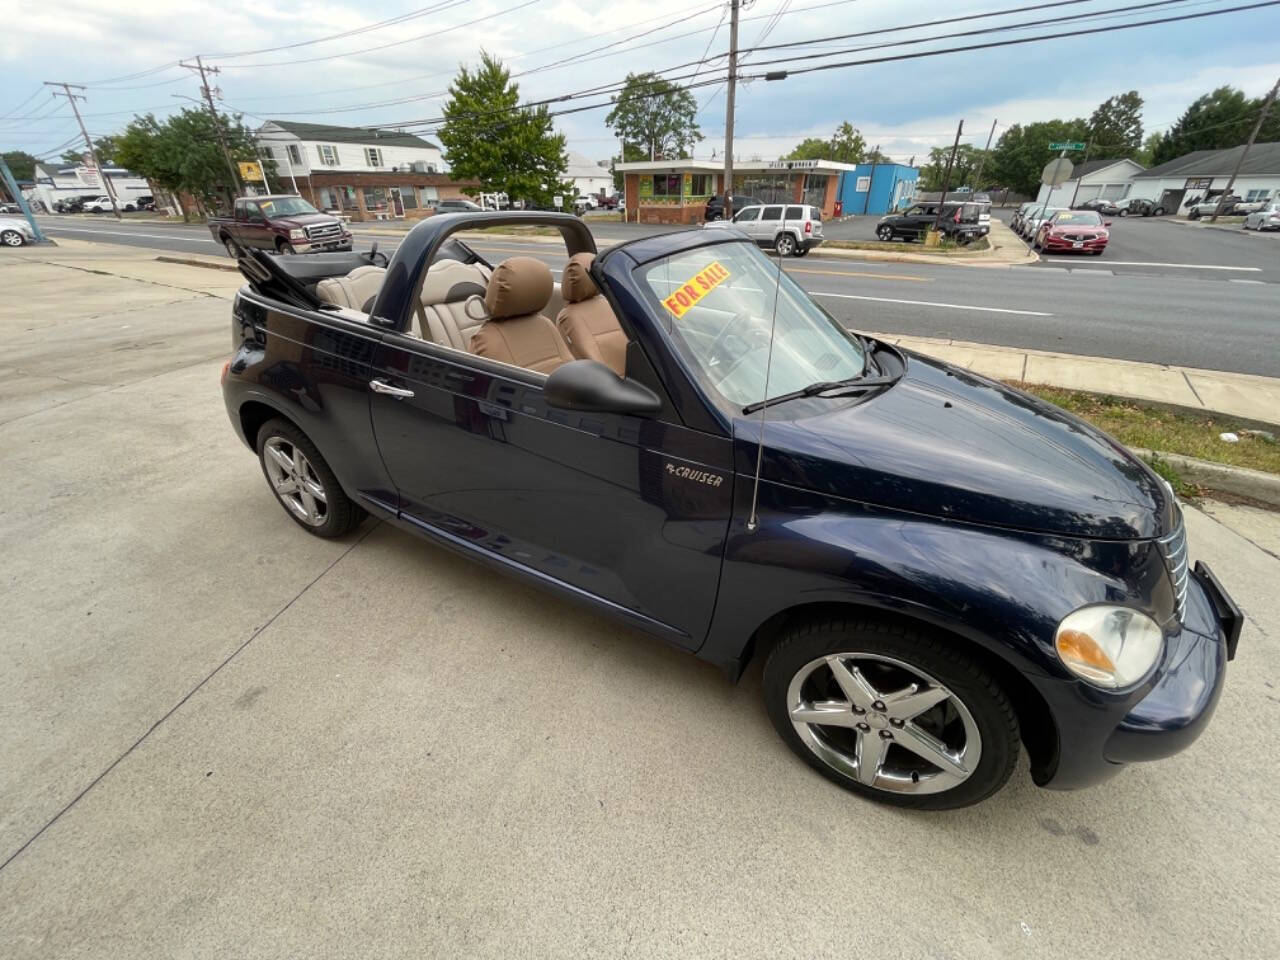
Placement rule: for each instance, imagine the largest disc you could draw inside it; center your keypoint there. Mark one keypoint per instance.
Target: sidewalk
(1237, 395)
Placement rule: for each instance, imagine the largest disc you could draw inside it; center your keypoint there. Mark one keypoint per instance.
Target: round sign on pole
(1057, 172)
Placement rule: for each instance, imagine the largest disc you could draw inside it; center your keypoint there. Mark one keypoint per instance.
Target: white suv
(792, 229)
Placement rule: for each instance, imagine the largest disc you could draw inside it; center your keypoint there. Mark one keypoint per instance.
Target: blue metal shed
(877, 188)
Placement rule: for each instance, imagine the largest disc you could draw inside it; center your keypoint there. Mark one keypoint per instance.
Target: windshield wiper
(824, 388)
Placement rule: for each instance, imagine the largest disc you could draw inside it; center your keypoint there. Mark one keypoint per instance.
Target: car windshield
(286, 207)
(1045, 214)
(1078, 218)
(717, 306)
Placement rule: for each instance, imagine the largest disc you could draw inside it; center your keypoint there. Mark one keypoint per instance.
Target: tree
(1021, 152)
(1144, 155)
(488, 136)
(845, 146)
(655, 115)
(105, 147)
(933, 173)
(1221, 118)
(1116, 127)
(21, 164)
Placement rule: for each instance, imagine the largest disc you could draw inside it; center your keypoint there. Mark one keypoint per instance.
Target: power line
(39, 90)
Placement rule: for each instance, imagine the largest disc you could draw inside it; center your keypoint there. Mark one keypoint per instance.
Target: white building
(1105, 179)
(589, 177)
(300, 149)
(1172, 184)
(62, 182)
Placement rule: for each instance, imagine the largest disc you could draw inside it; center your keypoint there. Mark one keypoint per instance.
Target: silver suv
(792, 229)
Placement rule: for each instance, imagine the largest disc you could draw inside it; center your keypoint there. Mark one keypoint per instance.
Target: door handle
(381, 386)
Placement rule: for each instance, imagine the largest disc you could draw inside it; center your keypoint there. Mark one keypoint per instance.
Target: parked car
(959, 222)
(1209, 205)
(1246, 207)
(610, 202)
(101, 204)
(933, 567)
(11, 208)
(1140, 207)
(457, 205)
(14, 232)
(144, 202)
(283, 223)
(715, 206)
(1032, 221)
(792, 229)
(1268, 218)
(71, 204)
(1073, 231)
(1015, 221)
(1106, 208)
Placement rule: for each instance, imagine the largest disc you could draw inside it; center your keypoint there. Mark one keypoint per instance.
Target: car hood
(944, 442)
(303, 220)
(1077, 227)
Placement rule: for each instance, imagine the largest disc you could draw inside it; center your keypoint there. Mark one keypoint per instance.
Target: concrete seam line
(189, 694)
(1192, 387)
(191, 262)
(118, 276)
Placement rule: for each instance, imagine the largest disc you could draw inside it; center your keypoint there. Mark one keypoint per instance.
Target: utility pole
(728, 117)
(946, 177)
(871, 180)
(977, 177)
(1253, 135)
(201, 69)
(71, 99)
(1076, 192)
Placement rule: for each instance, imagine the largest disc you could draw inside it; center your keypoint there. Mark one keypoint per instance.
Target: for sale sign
(695, 288)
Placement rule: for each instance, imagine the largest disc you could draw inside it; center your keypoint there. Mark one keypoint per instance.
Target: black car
(934, 567)
(715, 206)
(960, 222)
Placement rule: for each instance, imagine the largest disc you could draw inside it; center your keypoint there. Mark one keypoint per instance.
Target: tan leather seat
(516, 331)
(451, 304)
(587, 322)
(358, 290)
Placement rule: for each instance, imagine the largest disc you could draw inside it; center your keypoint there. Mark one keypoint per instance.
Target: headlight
(297, 234)
(1108, 646)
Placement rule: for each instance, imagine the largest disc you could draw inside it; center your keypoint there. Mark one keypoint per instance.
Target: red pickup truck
(284, 223)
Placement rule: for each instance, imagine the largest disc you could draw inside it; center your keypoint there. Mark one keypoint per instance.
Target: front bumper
(1095, 743)
(323, 246)
(1062, 245)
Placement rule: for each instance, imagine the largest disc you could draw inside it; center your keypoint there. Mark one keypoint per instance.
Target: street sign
(1067, 145)
(1057, 172)
(250, 171)
(557, 201)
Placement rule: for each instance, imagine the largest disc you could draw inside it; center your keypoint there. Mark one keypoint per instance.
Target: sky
(126, 56)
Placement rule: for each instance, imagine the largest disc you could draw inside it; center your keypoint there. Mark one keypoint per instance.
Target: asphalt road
(223, 737)
(1164, 293)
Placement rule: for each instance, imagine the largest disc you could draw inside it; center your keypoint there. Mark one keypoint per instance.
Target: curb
(193, 262)
(1241, 481)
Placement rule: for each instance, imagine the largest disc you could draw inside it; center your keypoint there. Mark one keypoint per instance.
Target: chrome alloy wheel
(295, 481)
(884, 723)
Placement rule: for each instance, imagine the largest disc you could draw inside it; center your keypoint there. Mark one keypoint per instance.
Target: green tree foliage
(182, 153)
(1021, 153)
(1221, 118)
(105, 148)
(1116, 127)
(488, 137)
(21, 164)
(845, 146)
(966, 164)
(656, 116)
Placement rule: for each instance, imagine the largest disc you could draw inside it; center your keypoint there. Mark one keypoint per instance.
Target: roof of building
(1093, 166)
(1263, 160)
(583, 167)
(739, 166)
(363, 135)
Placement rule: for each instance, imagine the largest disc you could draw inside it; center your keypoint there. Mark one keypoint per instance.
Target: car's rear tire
(286, 249)
(1158, 212)
(785, 244)
(952, 741)
(12, 238)
(302, 481)
(885, 233)
(230, 248)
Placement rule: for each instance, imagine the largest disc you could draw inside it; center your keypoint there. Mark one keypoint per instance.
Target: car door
(627, 513)
(769, 224)
(747, 220)
(915, 219)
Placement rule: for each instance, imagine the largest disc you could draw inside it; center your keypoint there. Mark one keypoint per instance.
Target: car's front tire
(285, 249)
(302, 481)
(12, 238)
(847, 692)
(1124, 213)
(885, 233)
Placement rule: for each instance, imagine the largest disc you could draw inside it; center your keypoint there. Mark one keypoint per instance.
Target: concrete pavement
(222, 737)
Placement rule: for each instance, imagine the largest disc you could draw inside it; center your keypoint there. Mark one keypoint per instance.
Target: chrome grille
(1080, 236)
(324, 231)
(1174, 549)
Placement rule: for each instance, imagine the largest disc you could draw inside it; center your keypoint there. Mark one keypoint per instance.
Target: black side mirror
(590, 387)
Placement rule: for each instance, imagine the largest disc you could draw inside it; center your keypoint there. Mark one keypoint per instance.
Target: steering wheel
(375, 258)
(743, 326)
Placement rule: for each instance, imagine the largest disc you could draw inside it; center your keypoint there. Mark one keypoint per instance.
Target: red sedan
(1073, 231)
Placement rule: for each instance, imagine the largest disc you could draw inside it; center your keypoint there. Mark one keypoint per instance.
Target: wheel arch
(1040, 734)
(254, 413)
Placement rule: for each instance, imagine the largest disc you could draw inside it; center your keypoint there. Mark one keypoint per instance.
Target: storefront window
(815, 189)
(375, 199)
(699, 185)
(410, 198)
(766, 187)
(430, 196)
(666, 185)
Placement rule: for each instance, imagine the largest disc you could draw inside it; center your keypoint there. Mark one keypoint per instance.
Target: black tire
(885, 233)
(784, 244)
(966, 679)
(1193, 215)
(1158, 212)
(1124, 212)
(12, 238)
(285, 248)
(230, 248)
(340, 514)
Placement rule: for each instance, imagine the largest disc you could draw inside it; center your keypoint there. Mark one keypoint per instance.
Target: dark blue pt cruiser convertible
(934, 568)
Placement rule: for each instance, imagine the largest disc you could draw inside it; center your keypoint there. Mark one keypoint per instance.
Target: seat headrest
(519, 286)
(576, 283)
(451, 281)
